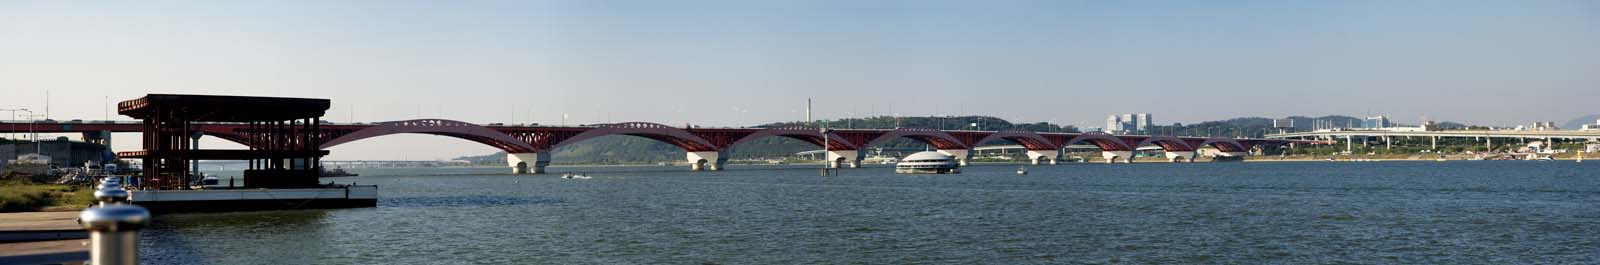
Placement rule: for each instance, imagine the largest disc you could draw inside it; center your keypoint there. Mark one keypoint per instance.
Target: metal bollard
(108, 196)
(114, 232)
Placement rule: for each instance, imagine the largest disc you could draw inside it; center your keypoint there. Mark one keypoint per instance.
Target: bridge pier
(707, 160)
(1113, 156)
(962, 156)
(843, 158)
(527, 163)
(1180, 156)
(1039, 157)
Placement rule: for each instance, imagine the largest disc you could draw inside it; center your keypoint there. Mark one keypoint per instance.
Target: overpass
(1488, 136)
(528, 147)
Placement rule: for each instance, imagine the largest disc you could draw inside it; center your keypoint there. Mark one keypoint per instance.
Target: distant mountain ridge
(1580, 121)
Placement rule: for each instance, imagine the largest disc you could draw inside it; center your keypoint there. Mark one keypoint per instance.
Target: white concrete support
(1347, 143)
(1434, 144)
(961, 155)
(1230, 154)
(1112, 157)
(1041, 157)
(1181, 156)
(707, 160)
(842, 158)
(528, 163)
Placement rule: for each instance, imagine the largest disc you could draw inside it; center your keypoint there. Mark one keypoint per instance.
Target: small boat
(336, 172)
(570, 175)
(1022, 170)
(1547, 158)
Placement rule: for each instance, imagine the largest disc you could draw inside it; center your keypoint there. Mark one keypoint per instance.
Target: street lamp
(849, 123)
(825, 159)
(14, 120)
(31, 134)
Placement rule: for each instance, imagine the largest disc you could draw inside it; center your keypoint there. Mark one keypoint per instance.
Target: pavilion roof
(225, 108)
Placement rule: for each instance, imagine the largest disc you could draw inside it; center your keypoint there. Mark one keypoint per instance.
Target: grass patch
(23, 196)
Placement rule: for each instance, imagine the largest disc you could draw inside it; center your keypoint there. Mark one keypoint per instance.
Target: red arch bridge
(528, 147)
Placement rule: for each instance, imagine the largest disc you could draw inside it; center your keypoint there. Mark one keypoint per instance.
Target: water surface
(1491, 212)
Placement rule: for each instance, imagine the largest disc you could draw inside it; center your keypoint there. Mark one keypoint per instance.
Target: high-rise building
(1128, 123)
(1142, 121)
(1113, 124)
(1378, 122)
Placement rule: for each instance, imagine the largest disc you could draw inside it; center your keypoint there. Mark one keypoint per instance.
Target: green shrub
(21, 196)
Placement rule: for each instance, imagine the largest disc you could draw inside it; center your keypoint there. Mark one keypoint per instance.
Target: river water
(1487, 212)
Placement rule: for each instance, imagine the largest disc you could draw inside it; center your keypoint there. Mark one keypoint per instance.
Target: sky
(732, 63)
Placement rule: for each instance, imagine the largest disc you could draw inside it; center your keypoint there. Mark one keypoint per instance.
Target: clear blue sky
(749, 62)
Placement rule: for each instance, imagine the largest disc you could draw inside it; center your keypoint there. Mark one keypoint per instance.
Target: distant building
(1591, 127)
(1283, 123)
(1378, 122)
(31, 159)
(1113, 124)
(57, 153)
(1544, 126)
(1142, 121)
(1128, 123)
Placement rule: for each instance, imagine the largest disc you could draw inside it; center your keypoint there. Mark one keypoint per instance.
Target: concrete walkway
(42, 238)
(35, 221)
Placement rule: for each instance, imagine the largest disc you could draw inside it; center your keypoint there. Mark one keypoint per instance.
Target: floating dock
(234, 200)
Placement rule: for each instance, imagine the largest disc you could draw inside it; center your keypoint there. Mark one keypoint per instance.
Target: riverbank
(25, 196)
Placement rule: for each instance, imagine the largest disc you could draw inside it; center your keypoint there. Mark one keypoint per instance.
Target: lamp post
(31, 134)
(825, 160)
(14, 120)
(849, 123)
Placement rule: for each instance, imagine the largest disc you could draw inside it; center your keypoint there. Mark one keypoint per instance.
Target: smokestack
(808, 111)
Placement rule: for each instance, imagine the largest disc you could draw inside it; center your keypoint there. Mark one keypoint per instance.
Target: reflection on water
(1387, 212)
(460, 201)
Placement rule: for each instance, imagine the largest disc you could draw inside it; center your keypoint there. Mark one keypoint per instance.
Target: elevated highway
(1487, 136)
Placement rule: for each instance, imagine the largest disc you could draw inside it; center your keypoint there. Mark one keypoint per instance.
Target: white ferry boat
(927, 162)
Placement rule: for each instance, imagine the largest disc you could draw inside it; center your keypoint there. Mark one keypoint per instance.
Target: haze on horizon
(734, 63)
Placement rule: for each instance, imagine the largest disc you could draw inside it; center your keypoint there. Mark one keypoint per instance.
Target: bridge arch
(1168, 143)
(938, 139)
(1224, 145)
(440, 127)
(1106, 142)
(659, 132)
(1174, 149)
(230, 136)
(1028, 139)
(804, 134)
